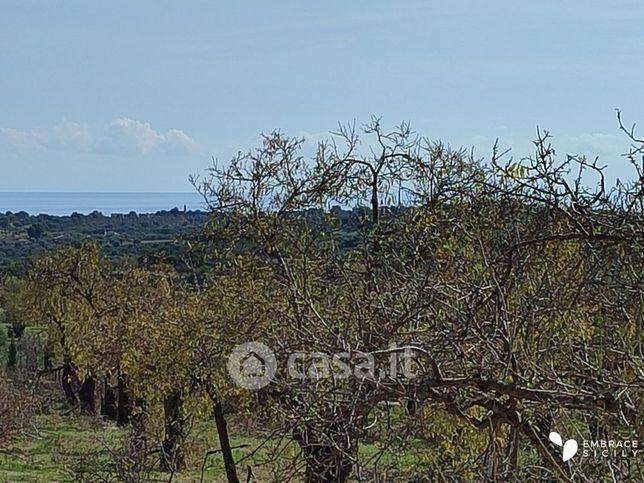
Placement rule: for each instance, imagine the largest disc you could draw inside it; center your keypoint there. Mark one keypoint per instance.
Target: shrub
(16, 409)
(35, 231)
(124, 462)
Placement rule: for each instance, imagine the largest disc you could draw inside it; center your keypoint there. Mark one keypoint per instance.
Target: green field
(49, 448)
(53, 444)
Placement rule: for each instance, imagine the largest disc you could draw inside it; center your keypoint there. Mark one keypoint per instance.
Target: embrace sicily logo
(570, 447)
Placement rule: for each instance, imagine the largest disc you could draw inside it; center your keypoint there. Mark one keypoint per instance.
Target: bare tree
(510, 280)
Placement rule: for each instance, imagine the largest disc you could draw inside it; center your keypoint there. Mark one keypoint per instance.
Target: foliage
(134, 236)
(514, 285)
(35, 231)
(508, 281)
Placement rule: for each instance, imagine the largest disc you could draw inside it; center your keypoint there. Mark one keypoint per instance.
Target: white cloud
(123, 136)
(131, 137)
(178, 141)
(68, 135)
(127, 136)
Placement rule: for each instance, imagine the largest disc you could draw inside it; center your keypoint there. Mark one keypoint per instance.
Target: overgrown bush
(127, 461)
(16, 408)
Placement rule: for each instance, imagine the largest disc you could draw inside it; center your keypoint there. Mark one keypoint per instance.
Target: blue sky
(137, 95)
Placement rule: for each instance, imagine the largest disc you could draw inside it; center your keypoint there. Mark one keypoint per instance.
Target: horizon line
(99, 192)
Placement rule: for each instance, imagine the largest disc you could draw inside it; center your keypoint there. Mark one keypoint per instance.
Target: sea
(66, 203)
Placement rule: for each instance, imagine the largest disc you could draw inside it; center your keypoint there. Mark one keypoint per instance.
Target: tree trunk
(68, 376)
(12, 359)
(48, 358)
(87, 396)
(139, 421)
(124, 406)
(224, 444)
(327, 458)
(108, 404)
(375, 207)
(512, 455)
(172, 451)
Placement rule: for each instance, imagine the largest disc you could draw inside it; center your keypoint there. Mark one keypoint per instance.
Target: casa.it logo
(252, 365)
(569, 448)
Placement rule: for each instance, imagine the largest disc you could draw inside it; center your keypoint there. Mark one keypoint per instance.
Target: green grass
(38, 454)
(43, 451)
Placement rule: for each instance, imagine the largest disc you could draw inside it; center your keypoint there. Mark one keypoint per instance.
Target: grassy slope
(42, 452)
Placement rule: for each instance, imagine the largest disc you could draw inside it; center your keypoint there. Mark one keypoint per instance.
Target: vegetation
(507, 293)
(132, 235)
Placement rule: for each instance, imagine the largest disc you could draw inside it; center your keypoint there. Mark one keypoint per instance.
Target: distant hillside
(133, 235)
(120, 235)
